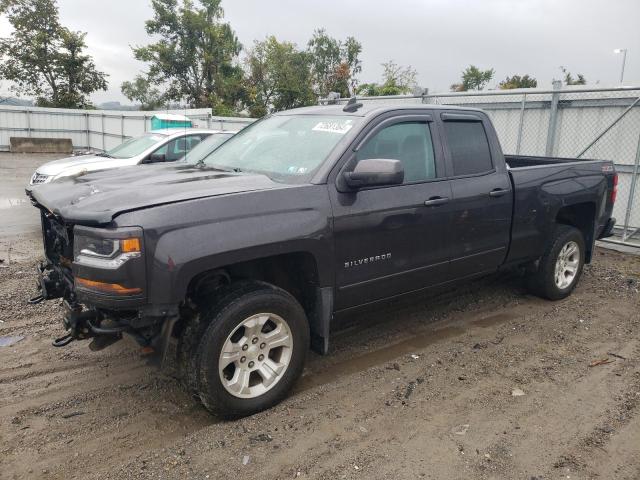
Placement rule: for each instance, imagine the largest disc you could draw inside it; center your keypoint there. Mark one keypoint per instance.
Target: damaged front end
(100, 274)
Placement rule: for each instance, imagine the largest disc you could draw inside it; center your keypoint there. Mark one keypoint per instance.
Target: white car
(166, 145)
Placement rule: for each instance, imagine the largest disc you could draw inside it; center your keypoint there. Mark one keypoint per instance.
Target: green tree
(570, 80)
(473, 79)
(334, 64)
(196, 55)
(278, 77)
(45, 60)
(396, 80)
(141, 90)
(517, 81)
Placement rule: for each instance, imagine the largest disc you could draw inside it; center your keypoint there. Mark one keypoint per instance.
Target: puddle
(377, 357)
(6, 203)
(494, 319)
(10, 341)
(384, 355)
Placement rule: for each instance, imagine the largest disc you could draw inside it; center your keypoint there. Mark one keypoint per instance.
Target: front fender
(188, 238)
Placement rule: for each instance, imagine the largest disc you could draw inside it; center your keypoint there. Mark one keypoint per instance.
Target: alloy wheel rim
(567, 265)
(255, 355)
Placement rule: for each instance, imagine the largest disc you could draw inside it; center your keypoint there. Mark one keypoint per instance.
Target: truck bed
(545, 184)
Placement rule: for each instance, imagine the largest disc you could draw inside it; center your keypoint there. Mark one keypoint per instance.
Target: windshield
(283, 147)
(135, 146)
(204, 148)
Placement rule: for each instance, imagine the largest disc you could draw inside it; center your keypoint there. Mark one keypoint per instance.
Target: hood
(92, 162)
(95, 199)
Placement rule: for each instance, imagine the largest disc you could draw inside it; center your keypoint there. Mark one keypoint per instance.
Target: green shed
(169, 120)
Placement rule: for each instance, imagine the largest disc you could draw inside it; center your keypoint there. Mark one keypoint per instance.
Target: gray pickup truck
(240, 263)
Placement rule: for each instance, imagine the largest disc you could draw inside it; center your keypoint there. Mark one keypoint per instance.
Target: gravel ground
(484, 381)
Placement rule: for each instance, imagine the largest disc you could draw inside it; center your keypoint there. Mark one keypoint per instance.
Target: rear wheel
(252, 351)
(561, 265)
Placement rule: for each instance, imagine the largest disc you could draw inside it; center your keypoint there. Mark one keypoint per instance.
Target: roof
(369, 108)
(172, 117)
(178, 130)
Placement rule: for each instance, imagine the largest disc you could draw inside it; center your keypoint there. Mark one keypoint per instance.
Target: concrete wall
(41, 145)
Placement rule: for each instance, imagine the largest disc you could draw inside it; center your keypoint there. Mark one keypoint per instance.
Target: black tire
(195, 327)
(543, 281)
(186, 353)
(238, 303)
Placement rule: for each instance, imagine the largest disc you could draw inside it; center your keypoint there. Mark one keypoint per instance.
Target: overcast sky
(439, 38)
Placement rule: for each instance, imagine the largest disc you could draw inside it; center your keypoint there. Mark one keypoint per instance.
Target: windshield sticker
(340, 127)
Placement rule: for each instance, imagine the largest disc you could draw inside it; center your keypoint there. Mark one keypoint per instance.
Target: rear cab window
(468, 146)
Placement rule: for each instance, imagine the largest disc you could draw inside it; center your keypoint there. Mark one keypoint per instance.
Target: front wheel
(561, 265)
(253, 350)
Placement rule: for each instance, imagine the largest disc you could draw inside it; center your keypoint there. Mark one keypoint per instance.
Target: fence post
(122, 126)
(553, 118)
(102, 128)
(424, 95)
(632, 192)
(521, 123)
(144, 119)
(28, 113)
(86, 125)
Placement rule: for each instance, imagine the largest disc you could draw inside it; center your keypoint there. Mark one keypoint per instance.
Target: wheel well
(581, 216)
(297, 273)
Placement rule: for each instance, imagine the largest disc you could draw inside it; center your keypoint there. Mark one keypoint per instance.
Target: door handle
(498, 192)
(435, 201)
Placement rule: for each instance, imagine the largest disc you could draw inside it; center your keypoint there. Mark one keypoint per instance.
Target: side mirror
(375, 172)
(157, 157)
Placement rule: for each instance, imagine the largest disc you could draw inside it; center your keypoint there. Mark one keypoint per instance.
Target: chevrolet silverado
(240, 263)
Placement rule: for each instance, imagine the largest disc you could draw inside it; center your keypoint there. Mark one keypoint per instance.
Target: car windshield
(286, 148)
(135, 146)
(204, 148)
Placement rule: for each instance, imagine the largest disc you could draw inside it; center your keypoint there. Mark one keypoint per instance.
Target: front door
(393, 239)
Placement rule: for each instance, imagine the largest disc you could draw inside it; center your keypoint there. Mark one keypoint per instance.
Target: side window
(409, 142)
(178, 147)
(469, 147)
(193, 140)
(162, 150)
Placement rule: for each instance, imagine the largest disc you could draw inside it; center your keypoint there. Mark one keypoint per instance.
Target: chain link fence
(593, 123)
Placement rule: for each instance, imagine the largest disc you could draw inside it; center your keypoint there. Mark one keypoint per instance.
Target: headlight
(108, 261)
(39, 179)
(98, 247)
(73, 172)
(109, 253)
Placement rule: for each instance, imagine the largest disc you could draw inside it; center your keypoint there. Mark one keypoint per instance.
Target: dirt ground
(422, 388)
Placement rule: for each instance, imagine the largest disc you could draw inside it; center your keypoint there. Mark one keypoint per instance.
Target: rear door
(482, 196)
(387, 240)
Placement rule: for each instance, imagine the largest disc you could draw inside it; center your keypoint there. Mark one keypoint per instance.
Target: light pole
(623, 51)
